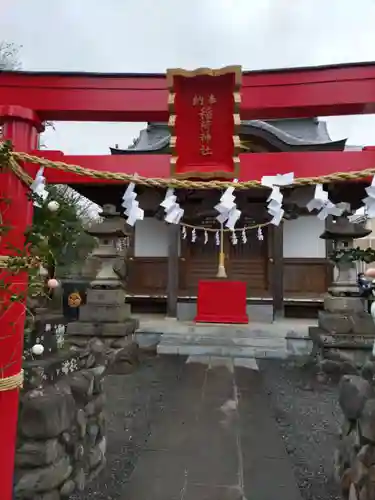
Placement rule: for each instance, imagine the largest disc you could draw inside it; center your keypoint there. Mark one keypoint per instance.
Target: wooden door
(244, 262)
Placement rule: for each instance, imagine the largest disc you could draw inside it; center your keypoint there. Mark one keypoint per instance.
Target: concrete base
(263, 313)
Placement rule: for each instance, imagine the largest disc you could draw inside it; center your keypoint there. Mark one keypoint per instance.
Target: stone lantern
(109, 251)
(342, 233)
(105, 311)
(345, 332)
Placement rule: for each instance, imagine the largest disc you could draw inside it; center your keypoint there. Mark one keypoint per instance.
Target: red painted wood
(20, 126)
(253, 165)
(204, 129)
(320, 91)
(221, 301)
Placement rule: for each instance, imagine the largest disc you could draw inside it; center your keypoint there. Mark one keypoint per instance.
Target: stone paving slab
(215, 438)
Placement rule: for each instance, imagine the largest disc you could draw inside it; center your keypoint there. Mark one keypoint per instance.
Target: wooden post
(21, 126)
(277, 270)
(173, 269)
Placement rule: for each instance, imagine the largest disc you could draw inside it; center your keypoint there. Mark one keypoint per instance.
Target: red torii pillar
(21, 126)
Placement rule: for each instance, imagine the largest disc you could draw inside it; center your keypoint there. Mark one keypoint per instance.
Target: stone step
(223, 341)
(234, 351)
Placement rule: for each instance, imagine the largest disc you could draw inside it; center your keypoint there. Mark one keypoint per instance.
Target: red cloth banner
(204, 122)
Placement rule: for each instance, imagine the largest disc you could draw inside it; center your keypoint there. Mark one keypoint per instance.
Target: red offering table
(221, 301)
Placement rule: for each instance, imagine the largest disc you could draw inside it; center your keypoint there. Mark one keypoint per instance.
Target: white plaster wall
(301, 238)
(151, 238)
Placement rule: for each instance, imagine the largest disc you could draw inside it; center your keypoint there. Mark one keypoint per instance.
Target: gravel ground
(133, 403)
(308, 416)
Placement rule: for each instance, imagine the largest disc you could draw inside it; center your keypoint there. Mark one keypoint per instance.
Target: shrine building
(305, 272)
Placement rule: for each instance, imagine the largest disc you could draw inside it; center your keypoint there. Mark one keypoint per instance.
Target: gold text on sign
(205, 119)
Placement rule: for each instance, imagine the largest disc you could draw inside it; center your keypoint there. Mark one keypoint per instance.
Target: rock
(67, 488)
(353, 493)
(124, 360)
(50, 495)
(368, 371)
(82, 385)
(367, 455)
(79, 452)
(371, 473)
(37, 453)
(95, 406)
(95, 457)
(346, 481)
(122, 342)
(80, 479)
(90, 361)
(367, 420)
(82, 422)
(93, 432)
(330, 366)
(354, 391)
(348, 448)
(348, 368)
(96, 346)
(47, 412)
(359, 472)
(44, 479)
(94, 472)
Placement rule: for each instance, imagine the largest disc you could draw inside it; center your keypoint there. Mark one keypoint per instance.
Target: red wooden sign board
(204, 122)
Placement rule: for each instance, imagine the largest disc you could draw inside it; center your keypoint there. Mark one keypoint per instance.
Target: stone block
(363, 324)
(38, 453)
(78, 329)
(41, 480)
(354, 391)
(104, 313)
(82, 385)
(335, 322)
(46, 413)
(343, 304)
(106, 297)
(367, 420)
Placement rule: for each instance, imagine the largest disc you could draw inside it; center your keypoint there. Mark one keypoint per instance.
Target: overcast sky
(152, 35)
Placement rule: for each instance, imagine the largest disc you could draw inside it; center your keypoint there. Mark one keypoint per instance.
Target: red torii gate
(29, 99)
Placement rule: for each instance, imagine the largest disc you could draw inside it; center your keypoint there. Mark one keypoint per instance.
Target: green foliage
(9, 56)
(56, 238)
(353, 255)
(60, 236)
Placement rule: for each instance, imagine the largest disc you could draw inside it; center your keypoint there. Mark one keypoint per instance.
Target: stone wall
(61, 439)
(354, 463)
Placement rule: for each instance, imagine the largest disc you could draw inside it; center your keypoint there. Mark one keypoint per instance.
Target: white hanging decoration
(275, 199)
(193, 236)
(234, 238)
(260, 234)
(227, 208)
(131, 205)
(38, 187)
(172, 209)
(321, 203)
(53, 206)
(205, 237)
(243, 236)
(217, 238)
(359, 216)
(37, 349)
(183, 231)
(369, 201)
(53, 283)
